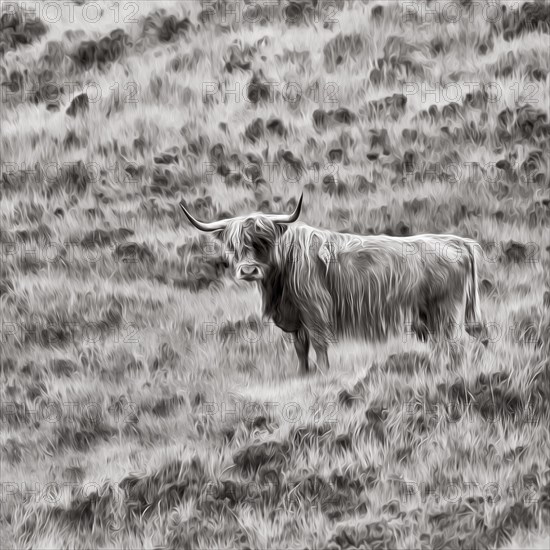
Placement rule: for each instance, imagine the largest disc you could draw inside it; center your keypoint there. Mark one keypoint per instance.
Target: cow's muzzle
(249, 272)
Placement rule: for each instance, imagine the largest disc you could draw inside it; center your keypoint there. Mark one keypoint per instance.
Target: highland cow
(321, 285)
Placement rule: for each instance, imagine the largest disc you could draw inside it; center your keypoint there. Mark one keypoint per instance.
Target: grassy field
(145, 402)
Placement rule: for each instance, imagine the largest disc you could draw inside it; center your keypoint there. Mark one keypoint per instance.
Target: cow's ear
(218, 234)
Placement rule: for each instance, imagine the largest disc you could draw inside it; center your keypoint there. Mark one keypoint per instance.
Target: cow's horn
(204, 226)
(288, 218)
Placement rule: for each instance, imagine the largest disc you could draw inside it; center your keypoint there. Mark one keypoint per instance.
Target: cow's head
(249, 241)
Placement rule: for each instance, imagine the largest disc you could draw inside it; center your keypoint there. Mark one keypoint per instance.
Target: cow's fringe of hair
(236, 232)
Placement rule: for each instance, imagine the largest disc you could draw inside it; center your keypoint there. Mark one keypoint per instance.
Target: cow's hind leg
(301, 344)
(445, 325)
(443, 318)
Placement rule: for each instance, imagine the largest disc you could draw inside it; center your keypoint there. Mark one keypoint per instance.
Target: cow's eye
(256, 245)
(259, 246)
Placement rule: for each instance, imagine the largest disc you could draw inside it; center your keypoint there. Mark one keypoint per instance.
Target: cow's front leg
(320, 345)
(301, 344)
(322, 357)
(316, 319)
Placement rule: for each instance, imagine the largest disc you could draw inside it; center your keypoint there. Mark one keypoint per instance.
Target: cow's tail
(473, 310)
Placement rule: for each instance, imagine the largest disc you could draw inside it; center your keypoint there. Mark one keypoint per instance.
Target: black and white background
(146, 403)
